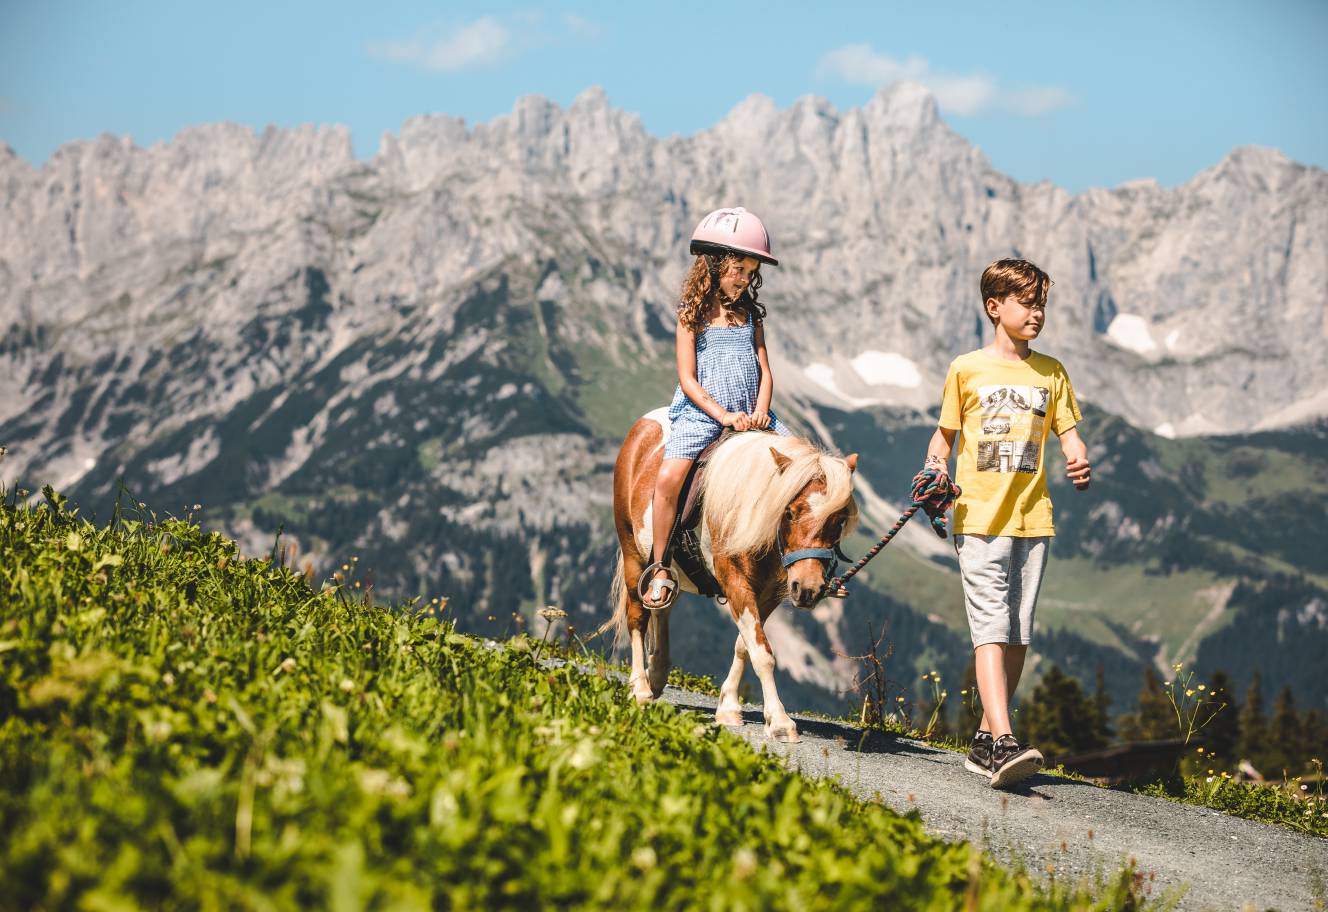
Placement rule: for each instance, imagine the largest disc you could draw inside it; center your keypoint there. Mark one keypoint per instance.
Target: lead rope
(933, 493)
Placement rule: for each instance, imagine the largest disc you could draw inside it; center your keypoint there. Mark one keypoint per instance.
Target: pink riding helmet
(736, 230)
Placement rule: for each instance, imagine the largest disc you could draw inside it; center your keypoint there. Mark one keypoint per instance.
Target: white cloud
(1038, 100)
(488, 40)
(478, 43)
(955, 93)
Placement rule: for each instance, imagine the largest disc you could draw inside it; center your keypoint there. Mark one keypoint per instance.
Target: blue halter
(831, 556)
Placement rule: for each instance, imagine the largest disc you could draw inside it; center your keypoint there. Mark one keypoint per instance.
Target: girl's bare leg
(664, 508)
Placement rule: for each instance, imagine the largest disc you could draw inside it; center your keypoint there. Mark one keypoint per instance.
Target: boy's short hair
(1014, 277)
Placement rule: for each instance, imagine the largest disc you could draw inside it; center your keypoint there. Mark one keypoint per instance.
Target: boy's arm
(1076, 458)
(685, 343)
(761, 417)
(938, 450)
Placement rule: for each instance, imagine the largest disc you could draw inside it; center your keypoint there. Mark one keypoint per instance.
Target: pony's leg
(729, 711)
(659, 663)
(639, 680)
(778, 725)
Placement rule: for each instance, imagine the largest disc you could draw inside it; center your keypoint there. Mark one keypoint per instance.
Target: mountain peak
(904, 104)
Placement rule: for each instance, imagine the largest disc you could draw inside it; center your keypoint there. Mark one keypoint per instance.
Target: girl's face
(735, 276)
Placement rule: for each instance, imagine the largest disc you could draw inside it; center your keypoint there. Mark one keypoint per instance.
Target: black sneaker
(979, 754)
(1011, 762)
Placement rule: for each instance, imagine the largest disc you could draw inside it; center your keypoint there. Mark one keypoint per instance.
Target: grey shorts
(1001, 576)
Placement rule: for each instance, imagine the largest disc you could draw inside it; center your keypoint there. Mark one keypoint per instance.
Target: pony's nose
(795, 591)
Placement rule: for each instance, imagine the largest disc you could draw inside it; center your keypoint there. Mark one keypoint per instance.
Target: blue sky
(1081, 96)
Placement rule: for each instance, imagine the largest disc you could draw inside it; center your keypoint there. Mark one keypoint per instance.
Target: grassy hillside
(184, 728)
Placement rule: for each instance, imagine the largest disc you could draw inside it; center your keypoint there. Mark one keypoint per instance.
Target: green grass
(1295, 805)
(185, 729)
(1082, 596)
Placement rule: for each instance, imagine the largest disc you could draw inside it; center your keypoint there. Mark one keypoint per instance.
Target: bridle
(830, 557)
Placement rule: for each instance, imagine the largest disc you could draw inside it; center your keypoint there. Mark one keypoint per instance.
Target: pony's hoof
(643, 697)
(786, 734)
(728, 717)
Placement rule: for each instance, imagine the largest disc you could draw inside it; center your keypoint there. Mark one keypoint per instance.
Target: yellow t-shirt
(1002, 411)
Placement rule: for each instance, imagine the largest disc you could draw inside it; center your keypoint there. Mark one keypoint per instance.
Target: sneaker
(1011, 762)
(979, 754)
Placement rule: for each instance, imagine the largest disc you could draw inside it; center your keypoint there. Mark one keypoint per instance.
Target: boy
(1002, 400)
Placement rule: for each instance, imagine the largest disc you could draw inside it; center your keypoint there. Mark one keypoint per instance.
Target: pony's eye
(788, 514)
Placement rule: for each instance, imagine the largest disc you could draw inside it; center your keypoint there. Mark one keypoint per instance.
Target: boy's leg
(1012, 662)
(993, 688)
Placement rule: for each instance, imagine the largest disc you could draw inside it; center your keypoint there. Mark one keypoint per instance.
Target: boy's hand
(739, 421)
(1078, 470)
(760, 419)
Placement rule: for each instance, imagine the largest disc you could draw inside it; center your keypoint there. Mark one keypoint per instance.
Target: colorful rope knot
(935, 493)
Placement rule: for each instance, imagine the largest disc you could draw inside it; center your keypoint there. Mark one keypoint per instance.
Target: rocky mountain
(426, 360)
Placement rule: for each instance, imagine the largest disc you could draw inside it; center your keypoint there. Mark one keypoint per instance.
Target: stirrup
(668, 585)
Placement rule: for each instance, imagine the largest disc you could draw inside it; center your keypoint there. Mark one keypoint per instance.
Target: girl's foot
(661, 590)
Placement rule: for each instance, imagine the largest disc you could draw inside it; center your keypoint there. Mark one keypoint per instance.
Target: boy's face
(1021, 316)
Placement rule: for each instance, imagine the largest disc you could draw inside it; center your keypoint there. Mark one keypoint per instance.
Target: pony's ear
(780, 460)
(852, 460)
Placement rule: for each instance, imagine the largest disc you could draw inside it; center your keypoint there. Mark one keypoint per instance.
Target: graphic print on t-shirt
(1012, 423)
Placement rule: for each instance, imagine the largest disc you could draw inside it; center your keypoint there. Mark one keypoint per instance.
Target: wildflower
(354, 559)
(347, 685)
(1203, 686)
(744, 863)
(287, 665)
(1190, 692)
(168, 679)
(1210, 778)
(345, 566)
(899, 699)
(644, 858)
(551, 614)
(1304, 788)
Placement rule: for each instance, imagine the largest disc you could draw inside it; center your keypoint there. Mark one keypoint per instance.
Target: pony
(764, 498)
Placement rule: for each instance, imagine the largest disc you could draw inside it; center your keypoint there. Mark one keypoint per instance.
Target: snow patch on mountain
(887, 369)
(1130, 332)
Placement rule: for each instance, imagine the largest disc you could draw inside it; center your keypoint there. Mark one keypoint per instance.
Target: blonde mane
(745, 493)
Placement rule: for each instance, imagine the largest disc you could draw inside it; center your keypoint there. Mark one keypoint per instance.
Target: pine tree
(1059, 718)
(1155, 719)
(1222, 735)
(1287, 754)
(1253, 744)
(1316, 736)
(1101, 708)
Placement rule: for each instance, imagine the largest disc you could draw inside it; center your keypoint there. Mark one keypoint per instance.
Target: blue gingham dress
(727, 369)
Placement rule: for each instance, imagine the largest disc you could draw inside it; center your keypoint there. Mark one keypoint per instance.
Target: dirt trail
(1050, 823)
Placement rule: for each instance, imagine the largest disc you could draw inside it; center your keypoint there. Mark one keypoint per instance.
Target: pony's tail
(618, 595)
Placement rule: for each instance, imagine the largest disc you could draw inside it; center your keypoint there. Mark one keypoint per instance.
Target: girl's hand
(736, 420)
(760, 419)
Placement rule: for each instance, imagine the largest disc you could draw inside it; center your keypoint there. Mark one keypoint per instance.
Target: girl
(723, 372)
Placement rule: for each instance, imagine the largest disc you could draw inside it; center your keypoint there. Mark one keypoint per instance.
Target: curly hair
(701, 287)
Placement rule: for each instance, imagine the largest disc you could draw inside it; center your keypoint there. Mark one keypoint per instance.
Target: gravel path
(1061, 826)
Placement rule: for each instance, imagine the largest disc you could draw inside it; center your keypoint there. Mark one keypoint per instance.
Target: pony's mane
(745, 493)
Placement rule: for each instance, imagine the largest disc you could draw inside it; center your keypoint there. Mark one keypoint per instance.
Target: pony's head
(764, 491)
